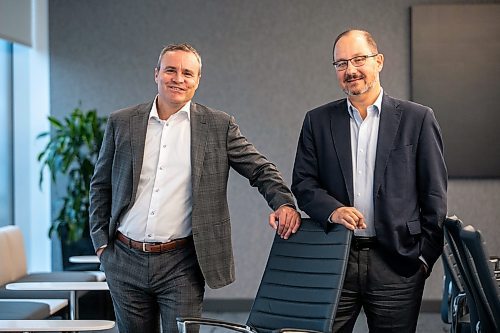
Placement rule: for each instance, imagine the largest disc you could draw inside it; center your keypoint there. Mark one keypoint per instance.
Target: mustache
(355, 76)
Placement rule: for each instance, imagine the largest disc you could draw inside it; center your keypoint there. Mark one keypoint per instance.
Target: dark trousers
(147, 286)
(391, 302)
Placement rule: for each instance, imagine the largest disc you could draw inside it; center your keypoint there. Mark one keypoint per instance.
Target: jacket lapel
(390, 118)
(138, 128)
(199, 132)
(341, 133)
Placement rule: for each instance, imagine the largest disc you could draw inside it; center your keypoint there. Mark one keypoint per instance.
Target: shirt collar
(186, 109)
(377, 104)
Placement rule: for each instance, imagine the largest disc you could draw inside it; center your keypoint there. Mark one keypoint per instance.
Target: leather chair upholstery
(301, 284)
(485, 286)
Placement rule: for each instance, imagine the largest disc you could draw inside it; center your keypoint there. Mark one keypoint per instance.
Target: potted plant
(72, 151)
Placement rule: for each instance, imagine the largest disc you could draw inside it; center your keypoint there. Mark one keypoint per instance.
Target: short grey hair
(178, 47)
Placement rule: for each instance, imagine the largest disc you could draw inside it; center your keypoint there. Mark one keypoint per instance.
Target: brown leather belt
(154, 247)
(363, 243)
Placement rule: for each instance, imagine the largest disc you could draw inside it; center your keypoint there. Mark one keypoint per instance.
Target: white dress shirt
(163, 204)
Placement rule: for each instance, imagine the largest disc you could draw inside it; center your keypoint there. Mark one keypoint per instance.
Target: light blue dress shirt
(364, 137)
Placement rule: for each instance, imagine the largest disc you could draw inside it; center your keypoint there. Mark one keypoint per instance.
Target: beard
(356, 91)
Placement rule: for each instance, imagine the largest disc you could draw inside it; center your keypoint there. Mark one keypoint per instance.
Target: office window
(6, 177)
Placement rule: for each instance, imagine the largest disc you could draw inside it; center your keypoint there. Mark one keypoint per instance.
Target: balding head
(365, 34)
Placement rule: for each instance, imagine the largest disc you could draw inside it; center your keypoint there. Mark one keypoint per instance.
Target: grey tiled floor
(427, 322)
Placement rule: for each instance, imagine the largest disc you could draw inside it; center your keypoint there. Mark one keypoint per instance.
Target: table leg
(73, 311)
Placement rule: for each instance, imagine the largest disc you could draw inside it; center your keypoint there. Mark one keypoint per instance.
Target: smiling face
(360, 81)
(177, 77)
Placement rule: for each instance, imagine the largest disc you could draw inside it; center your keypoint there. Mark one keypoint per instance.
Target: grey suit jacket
(216, 145)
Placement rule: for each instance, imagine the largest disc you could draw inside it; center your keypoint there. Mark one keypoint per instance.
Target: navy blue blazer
(410, 177)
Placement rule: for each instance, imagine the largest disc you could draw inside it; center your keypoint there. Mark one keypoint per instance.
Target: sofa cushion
(12, 255)
(24, 310)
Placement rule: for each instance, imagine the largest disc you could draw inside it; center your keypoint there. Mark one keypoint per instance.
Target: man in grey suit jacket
(375, 164)
(159, 215)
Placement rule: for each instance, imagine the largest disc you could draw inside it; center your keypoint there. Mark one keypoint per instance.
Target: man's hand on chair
(285, 220)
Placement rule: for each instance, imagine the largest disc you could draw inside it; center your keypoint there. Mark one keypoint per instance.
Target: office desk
(55, 325)
(72, 287)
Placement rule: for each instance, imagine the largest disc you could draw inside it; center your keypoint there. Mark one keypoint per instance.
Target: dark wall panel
(455, 70)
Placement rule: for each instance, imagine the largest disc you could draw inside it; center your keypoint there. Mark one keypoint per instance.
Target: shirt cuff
(102, 247)
(423, 260)
(330, 217)
(287, 205)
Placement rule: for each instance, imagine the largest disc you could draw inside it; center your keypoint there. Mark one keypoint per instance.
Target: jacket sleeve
(312, 196)
(101, 190)
(432, 185)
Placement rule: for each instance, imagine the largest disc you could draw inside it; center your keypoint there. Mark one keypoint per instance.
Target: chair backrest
(302, 280)
(452, 284)
(452, 228)
(451, 267)
(483, 279)
(12, 256)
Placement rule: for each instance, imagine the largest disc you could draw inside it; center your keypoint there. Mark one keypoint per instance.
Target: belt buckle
(362, 244)
(144, 248)
(363, 247)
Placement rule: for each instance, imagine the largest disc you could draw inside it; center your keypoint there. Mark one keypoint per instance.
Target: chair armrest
(184, 322)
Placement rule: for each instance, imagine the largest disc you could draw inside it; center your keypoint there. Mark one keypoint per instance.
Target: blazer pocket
(415, 232)
(402, 154)
(414, 227)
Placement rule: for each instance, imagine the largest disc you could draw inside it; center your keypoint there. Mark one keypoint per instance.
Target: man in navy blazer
(375, 164)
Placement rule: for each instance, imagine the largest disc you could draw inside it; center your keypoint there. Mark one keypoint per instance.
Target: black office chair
(452, 228)
(301, 284)
(487, 291)
(454, 308)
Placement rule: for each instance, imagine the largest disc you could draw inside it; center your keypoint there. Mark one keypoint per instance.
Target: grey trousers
(391, 302)
(147, 286)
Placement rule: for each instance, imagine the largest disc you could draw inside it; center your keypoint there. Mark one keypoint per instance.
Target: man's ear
(380, 61)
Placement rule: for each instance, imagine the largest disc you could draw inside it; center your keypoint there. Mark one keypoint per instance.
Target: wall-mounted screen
(456, 71)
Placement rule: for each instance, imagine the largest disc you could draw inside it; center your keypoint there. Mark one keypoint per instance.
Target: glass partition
(6, 179)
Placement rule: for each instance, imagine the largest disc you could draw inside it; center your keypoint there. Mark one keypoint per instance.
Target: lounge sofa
(13, 268)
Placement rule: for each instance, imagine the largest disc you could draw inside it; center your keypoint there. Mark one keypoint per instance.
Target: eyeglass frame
(347, 61)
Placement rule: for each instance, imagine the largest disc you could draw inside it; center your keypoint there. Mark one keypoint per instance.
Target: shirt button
(164, 146)
(359, 194)
(149, 235)
(359, 171)
(153, 212)
(161, 168)
(156, 190)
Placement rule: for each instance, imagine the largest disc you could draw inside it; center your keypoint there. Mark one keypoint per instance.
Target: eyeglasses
(357, 61)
